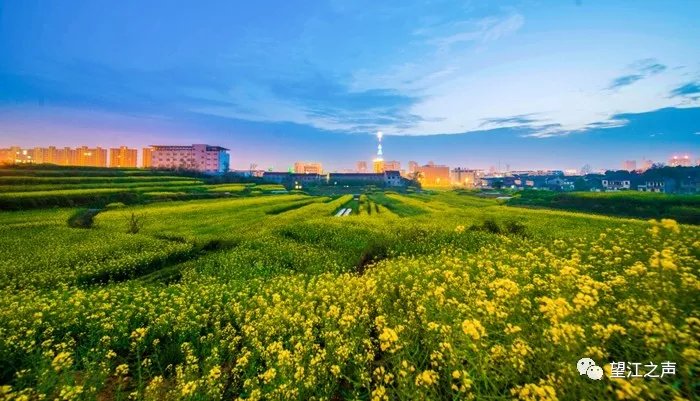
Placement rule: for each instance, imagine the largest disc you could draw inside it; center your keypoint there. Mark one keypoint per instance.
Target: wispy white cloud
(326, 106)
(553, 130)
(483, 30)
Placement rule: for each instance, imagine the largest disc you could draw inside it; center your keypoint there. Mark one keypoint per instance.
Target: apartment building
(434, 175)
(467, 178)
(146, 157)
(91, 157)
(308, 168)
(392, 165)
(122, 157)
(197, 157)
(83, 156)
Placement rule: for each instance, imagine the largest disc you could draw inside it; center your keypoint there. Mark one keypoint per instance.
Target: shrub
(515, 227)
(83, 218)
(135, 223)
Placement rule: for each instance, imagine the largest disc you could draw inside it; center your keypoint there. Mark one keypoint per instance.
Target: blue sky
(531, 84)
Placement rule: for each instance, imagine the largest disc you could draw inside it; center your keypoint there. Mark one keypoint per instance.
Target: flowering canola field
(426, 297)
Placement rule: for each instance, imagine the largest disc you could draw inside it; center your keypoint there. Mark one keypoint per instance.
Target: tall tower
(379, 160)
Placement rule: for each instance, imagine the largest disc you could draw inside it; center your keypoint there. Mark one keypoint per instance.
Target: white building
(198, 157)
(616, 184)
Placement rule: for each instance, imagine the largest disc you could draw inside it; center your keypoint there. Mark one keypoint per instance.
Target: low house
(616, 184)
(356, 179)
(663, 185)
(392, 178)
(560, 183)
(286, 178)
(387, 178)
(690, 185)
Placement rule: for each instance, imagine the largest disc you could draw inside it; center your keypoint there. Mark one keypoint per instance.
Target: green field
(683, 208)
(46, 186)
(250, 294)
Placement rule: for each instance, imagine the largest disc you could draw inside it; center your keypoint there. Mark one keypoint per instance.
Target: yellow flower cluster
(473, 329)
(535, 392)
(426, 378)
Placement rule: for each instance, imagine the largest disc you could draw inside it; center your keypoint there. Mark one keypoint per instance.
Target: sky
(520, 83)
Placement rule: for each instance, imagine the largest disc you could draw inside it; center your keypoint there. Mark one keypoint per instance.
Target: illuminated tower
(378, 162)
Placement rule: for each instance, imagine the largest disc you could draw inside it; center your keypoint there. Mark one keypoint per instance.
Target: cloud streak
(518, 120)
(690, 89)
(643, 69)
(625, 80)
(484, 30)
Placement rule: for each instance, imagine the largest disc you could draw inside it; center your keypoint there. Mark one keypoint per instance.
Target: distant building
(689, 185)
(51, 155)
(91, 157)
(361, 167)
(392, 165)
(434, 175)
(465, 177)
(23, 156)
(198, 157)
(122, 157)
(248, 173)
(663, 185)
(619, 181)
(388, 178)
(293, 179)
(378, 165)
(67, 156)
(559, 183)
(146, 157)
(279, 177)
(647, 164)
(6, 156)
(393, 179)
(616, 184)
(553, 181)
(82, 156)
(629, 165)
(412, 167)
(680, 161)
(308, 168)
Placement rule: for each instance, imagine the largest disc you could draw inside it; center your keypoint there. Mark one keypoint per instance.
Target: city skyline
(535, 85)
(125, 156)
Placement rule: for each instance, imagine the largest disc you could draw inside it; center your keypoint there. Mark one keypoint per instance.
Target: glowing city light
(379, 145)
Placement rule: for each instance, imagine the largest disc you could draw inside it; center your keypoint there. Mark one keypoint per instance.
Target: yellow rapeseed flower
(473, 329)
(387, 338)
(427, 378)
(62, 361)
